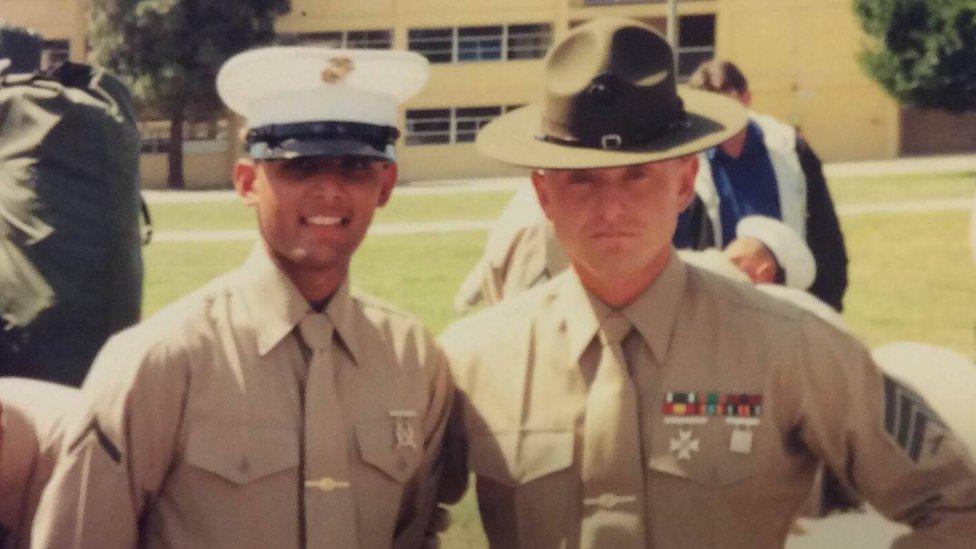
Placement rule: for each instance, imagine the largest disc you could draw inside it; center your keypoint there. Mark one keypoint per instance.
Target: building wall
(800, 57)
(801, 61)
(53, 19)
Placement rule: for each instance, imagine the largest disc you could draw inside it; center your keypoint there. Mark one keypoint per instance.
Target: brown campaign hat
(611, 99)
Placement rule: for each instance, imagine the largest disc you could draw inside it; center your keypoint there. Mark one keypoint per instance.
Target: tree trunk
(174, 153)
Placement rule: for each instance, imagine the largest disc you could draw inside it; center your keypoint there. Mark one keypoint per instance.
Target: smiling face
(313, 212)
(616, 223)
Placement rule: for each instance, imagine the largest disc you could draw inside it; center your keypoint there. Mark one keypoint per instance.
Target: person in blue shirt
(769, 170)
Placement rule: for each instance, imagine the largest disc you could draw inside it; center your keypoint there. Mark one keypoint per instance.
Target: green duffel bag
(70, 250)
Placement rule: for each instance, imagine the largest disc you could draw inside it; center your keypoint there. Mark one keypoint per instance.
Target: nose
(329, 187)
(612, 201)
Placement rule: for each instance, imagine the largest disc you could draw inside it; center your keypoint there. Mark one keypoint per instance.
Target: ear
(766, 271)
(539, 184)
(388, 179)
(746, 98)
(686, 187)
(245, 175)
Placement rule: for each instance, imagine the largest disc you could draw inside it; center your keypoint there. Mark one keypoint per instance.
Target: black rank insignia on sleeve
(910, 423)
(106, 443)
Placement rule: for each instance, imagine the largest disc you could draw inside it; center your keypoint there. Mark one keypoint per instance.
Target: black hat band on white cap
(277, 140)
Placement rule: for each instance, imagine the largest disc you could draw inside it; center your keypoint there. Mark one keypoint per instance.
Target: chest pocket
(395, 447)
(242, 454)
(713, 454)
(515, 458)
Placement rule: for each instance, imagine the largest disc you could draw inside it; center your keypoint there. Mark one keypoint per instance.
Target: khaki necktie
(330, 507)
(613, 478)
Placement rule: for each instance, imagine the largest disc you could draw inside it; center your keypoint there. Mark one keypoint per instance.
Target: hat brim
(296, 148)
(515, 137)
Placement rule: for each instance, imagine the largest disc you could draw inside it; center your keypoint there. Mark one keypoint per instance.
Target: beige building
(800, 57)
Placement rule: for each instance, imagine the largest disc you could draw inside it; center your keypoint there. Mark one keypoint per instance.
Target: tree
(169, 52)
(923, 52)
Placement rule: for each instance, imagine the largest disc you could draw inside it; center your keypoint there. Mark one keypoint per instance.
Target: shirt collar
(346, 316)
(653, 313)
(274, 303)
(277, 306)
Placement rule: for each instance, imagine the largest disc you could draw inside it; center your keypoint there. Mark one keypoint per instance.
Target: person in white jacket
(768, 169)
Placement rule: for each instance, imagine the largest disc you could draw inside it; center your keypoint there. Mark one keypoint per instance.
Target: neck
(314, 284)
(733, 146)
(316, 287)
(621, 289)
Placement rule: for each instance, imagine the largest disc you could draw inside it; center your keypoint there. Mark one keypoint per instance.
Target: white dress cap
(295, 84)
(792, 253)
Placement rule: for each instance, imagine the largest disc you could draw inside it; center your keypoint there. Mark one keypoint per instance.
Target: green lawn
(911, 273)
(873, 189)
(402, 208)
(418, 273)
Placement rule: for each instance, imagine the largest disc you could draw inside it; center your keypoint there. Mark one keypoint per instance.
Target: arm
(421, 519)
(882, 441)
(117, 451)
(824, 236)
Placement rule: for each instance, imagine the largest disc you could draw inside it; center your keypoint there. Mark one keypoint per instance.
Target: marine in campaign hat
(636, 400)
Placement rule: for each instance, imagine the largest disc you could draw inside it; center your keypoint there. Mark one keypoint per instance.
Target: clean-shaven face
(617, 221)
(313, 212)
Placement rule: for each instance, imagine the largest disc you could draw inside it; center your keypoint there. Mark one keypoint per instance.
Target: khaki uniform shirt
(193, 431)
(521, 252)
(31, 413)
(714, 478)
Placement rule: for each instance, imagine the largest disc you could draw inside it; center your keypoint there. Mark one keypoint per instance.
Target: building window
(449, 126)
(696, 42)
(428, 127)
(369, 39)
(437, 45)
(479, 44)
(618, 2)
(467, 122)
(54, 53)
(528, 41)
(489, 43)
(359, 39)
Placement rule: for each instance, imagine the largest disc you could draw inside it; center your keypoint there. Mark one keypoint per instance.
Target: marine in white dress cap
(315, 101)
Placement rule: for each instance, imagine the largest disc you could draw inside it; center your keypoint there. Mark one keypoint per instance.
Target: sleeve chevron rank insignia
(909, 422)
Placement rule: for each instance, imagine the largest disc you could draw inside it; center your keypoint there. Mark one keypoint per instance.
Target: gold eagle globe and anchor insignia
(339, 67)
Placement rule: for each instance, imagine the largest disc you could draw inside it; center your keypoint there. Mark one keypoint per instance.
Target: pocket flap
(703, 453)
(519, 457)
(396, 454)
(242, 454)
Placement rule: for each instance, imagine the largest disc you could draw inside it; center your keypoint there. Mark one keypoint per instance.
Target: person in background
(31, 416)
(768, 169)
(771, 256)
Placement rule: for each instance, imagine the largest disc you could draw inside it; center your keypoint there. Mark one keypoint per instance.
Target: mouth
(611, 234)
(324, 221)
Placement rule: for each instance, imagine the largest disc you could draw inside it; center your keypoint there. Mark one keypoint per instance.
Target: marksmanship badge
(403, 429)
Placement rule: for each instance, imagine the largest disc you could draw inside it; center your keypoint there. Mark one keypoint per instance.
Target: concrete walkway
(898, 166)
(848, 210)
